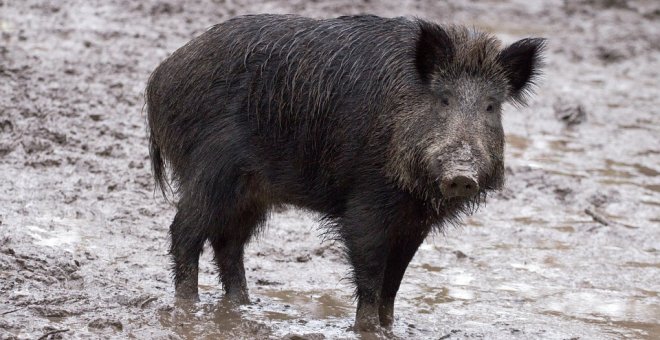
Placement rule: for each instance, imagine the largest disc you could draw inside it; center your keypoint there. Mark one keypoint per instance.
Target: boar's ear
(434, 48)
(522, 62)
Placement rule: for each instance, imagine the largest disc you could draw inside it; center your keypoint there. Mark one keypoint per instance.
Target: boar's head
(448, 146)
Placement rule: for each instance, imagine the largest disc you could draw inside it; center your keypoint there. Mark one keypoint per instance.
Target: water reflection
(315, 304)
(639, 315)
(221, 320)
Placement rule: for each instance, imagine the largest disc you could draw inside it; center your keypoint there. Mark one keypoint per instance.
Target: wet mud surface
(570, 249)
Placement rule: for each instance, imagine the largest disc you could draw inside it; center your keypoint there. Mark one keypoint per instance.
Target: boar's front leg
(365, 239)
(403, 249)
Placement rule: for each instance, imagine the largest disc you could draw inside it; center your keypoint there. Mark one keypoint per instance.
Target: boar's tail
(158, 166)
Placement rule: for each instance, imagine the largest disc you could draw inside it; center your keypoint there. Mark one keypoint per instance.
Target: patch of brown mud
(319, 305)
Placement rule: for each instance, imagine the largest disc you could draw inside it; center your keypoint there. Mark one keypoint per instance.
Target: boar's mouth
(463, 174)
(460, 187)
(459, 181)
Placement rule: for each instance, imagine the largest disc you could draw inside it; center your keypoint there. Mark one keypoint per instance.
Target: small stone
(570, 113)
(459, 254)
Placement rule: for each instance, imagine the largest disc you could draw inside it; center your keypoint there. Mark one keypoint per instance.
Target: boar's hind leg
(203, 210)
(228, 243)
(401, 252)
(187, 243)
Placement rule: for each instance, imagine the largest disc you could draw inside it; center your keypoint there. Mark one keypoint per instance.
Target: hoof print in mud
(102, 323)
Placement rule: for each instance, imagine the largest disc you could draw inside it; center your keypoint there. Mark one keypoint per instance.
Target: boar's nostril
(458, 185)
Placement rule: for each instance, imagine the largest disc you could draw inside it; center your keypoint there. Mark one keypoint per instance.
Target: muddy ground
(570, 249)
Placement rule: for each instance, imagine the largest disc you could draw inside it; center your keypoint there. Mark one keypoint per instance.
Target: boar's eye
(444, 101)
(490, 108)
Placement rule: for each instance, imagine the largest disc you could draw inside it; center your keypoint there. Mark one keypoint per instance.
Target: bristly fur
(474, 54)
(349, 117)
(523, 62)
(435, 49)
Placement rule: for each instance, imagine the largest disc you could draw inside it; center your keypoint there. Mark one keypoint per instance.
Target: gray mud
(570, 249)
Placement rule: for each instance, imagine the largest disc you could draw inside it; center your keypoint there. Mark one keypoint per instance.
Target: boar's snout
(456, 170)
(459, 185)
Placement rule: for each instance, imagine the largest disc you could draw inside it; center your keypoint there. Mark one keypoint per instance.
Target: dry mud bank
(83, 238)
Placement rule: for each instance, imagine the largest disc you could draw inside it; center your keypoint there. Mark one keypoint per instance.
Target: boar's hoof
(367, 324)
(459, 186)
(238, 298)
(186, 298)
